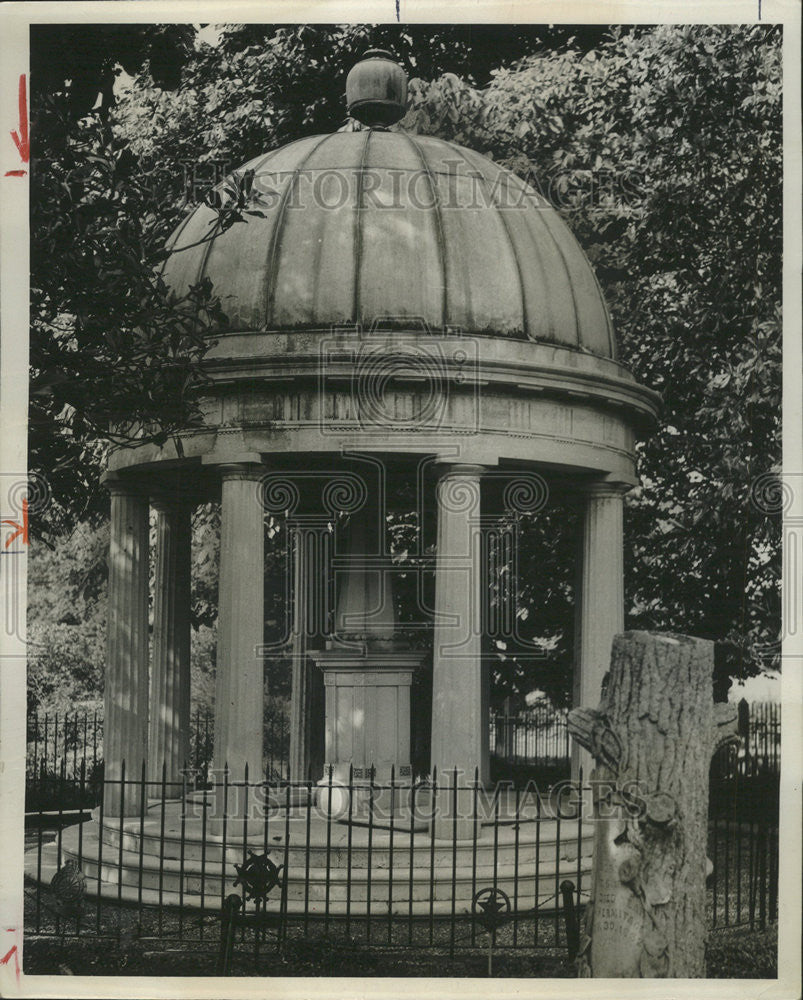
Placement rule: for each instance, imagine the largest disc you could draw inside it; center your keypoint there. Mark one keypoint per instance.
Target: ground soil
(735, 953)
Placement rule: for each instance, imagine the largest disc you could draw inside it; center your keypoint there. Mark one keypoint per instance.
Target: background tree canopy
(661, 146)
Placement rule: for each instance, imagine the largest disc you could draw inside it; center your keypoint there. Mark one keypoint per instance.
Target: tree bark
(652, 738)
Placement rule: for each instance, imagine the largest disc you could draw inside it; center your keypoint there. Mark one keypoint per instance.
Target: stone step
(315, 884)
(548, 865)
(533, 841)
(338, 856)
(314, 889)
(439, 909)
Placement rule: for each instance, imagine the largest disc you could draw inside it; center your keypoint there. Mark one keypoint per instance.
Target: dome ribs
(549, 328)
(463, 313)
(586, 295)
(545, 221)
(525, 326)
(205, 251)
(358, 234)
(207, 246)
(383, 224)
(612, 348)
(439, 229)
(181, 269)
(274, 247)
(560, 268)
(234, 258)
(400, 252)
(172, 240)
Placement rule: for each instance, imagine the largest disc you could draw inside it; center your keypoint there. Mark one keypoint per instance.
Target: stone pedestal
(599, 608)
(169, 728)
(367, 724)
(125, 729)
(239, 686)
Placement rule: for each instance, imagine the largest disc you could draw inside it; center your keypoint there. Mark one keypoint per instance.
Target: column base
(129, 804)
(379, 805)
(458, 816)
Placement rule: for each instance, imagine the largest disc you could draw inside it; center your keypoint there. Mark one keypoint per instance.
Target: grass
(117, 940)
(741, 953)
(123, 941)
(737, 953)
(316, 957)
(742, 888)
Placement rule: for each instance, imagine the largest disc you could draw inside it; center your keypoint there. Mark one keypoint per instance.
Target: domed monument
(400, 308)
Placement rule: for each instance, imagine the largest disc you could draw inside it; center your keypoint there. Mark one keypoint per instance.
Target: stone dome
(389, 229)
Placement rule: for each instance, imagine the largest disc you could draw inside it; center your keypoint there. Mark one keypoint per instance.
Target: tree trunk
(652, 739)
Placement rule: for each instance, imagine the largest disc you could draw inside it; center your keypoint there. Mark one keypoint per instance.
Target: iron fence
(386, 875)
(744, 777)
(390, 864)
(536, 739)
(538, 736)
(384, 865)
(744, 801)
(743, 885)
(760, 731)
(63, 739)
(60, 742)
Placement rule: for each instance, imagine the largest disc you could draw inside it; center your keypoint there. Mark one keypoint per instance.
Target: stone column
(125, 696)
(239, 680)
(312, 554)
(459, 706)
(599, 598)
(169, 729)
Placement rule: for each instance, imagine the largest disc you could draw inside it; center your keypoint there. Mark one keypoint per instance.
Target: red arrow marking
(12, 952)
(22, 144)
(22, 529)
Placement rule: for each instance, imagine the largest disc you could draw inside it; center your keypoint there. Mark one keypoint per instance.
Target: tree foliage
(67, 620)
(662, 149)
(114, 354)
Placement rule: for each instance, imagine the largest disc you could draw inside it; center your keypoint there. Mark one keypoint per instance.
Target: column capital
(118, 486)
(309, 522)
(466, 469)
(249, 471)
(234, 458)
(458, 490)
(600, 490)
(170, 501)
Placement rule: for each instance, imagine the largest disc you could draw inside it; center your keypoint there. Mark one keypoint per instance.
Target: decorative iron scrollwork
(258, 876)
(69, 888)
(491, 907)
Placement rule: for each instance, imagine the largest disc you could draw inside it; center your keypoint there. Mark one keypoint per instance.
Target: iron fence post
(570, 918)
(228, 912)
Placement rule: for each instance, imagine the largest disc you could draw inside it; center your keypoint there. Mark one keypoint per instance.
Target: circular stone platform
(332, 867)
